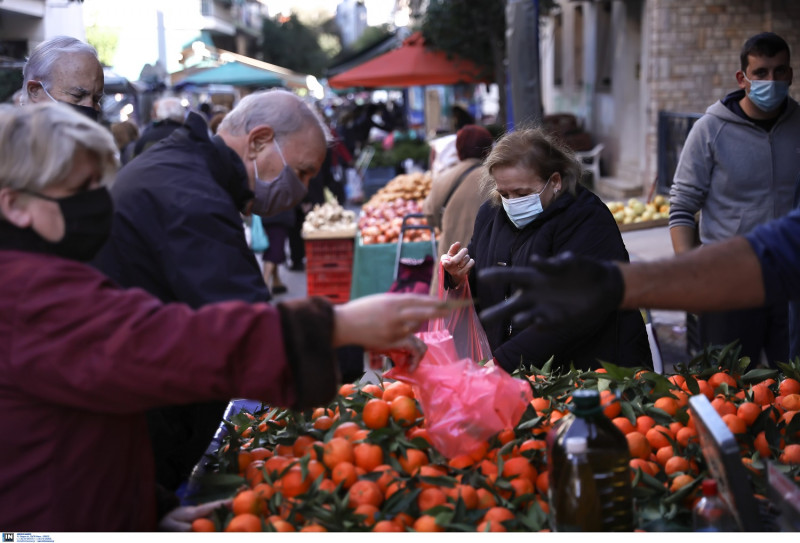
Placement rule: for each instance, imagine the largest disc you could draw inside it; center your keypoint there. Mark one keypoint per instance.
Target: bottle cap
(575, 445)
(586, 402)
(709, 487)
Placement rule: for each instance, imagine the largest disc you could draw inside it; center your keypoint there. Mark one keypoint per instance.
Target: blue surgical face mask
(767, 95)
(521, 211)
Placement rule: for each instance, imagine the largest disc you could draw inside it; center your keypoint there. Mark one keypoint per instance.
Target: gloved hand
(556, 292)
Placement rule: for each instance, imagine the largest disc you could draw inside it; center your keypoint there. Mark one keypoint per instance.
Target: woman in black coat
(537, 208)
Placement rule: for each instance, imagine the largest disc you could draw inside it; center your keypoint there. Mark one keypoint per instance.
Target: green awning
(237, 74)
(204, 37)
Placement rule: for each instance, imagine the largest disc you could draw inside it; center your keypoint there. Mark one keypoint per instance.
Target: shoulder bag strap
(458, 182)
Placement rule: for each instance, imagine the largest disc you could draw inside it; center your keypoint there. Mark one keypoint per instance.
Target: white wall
(613, 115)
(63, 18)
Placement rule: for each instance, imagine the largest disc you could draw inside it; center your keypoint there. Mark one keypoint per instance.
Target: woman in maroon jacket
(82, 360)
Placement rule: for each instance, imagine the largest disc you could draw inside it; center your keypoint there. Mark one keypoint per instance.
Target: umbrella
(409, 65)
(235, 73)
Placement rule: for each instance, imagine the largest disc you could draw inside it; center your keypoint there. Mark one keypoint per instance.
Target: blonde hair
(536, 151)
(38, 144)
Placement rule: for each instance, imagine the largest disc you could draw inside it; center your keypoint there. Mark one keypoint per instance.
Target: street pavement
(644, 245)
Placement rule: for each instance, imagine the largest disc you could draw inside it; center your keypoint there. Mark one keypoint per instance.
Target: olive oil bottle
(589, 476)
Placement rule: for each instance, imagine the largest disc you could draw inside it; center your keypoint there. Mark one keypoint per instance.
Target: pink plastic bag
(463, 323)
(464, 403)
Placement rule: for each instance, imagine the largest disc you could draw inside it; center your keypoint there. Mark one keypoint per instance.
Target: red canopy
(409, 65)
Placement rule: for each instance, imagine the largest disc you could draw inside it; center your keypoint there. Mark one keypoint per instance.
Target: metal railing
(673, 128)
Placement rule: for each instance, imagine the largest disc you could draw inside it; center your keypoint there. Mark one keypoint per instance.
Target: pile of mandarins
(365, 462)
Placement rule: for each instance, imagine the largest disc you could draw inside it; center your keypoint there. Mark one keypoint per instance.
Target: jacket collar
(225, 166)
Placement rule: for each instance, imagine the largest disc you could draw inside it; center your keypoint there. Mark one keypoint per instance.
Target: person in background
(125, 135)
(738, 170)
(178, 230)
(277, 229)
(64, 69)
(537, 208)
(213, 124)
(456, 193)
(443, 153)
(82, 360)
(326, 178)
(168, 115)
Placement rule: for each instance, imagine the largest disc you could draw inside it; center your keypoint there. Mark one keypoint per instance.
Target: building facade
(616, 64)
(351, 18)
(26, 23)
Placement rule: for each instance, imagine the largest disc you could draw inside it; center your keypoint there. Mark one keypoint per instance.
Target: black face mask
(90, 112)
(87, 224)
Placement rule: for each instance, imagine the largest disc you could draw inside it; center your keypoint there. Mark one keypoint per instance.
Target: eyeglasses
(98, 101)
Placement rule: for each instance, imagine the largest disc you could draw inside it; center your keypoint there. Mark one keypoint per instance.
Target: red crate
(329, 254)
(332, 284)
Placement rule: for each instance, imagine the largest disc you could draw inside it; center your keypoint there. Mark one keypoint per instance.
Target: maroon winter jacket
(82, 360)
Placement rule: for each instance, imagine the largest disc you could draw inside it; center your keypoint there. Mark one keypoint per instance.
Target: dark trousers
(297, 246)
(762, 329)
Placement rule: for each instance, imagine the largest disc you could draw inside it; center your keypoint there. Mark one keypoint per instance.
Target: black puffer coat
(581, 224)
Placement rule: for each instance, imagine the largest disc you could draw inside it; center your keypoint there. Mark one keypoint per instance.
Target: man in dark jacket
(178, 232)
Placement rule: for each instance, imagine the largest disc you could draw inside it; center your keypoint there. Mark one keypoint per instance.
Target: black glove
(556, 292)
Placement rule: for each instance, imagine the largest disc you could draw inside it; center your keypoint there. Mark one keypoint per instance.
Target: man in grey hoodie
(738, 169)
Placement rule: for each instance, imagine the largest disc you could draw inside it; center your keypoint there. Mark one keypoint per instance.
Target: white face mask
(521, 211)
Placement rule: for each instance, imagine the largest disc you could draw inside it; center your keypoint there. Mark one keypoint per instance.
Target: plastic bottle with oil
(590, 487)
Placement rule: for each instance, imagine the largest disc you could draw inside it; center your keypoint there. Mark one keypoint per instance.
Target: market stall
(329, 232)
(378, 246)
(370, 460)
(636, 215)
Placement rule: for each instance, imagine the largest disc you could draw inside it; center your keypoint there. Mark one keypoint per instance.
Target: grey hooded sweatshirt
(735, 173)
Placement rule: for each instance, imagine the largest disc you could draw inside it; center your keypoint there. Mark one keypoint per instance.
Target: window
(558, 49)
(605, 46)
(578, 45)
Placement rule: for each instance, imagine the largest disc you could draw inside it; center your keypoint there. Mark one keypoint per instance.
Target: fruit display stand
(637, 215)
(329, 231)
(366, 462)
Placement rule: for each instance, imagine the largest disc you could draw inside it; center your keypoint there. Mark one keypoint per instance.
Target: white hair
(285, 112)
(38, 145)
(169, 108)
(40, 64)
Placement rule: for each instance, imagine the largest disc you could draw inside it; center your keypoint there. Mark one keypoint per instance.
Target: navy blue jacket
(777, 246)
(583, 225)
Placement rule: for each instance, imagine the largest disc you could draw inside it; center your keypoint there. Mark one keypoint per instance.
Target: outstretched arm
(560, 290)
(716, 277)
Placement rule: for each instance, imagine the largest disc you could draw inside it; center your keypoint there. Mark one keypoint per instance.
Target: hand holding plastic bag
(464, 403)
(462, 323)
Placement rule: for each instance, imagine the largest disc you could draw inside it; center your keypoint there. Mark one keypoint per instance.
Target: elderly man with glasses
(64, 69)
